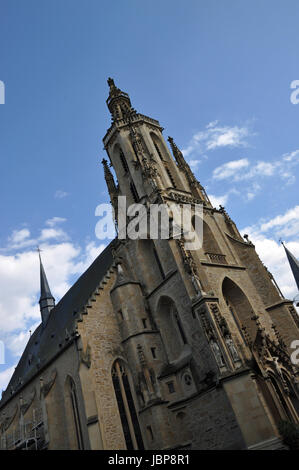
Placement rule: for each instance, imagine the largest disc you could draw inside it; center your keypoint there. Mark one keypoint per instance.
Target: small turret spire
(46, 301)
(181, 162)
(112, 188)
(195, 187)
(109, 177)
(119, 102)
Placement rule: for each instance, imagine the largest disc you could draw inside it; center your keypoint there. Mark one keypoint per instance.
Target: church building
(157, 346)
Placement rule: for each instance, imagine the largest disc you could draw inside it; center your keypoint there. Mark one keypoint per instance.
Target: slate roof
(43, 344)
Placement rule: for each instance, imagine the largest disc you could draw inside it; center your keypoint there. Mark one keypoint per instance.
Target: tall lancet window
(126, 407)
(158, 150)
(72, 415)
(123, 161)
(134, 192)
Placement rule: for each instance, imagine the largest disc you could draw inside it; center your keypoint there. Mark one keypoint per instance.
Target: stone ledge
(274, 443)
(218, 265)
(279, 304)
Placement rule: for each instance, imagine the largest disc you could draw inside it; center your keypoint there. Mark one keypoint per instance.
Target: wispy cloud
(265, 236)
(21, 239)
(216, 136)
(229, 169)
(59, 194)
(54, 221)
(19, 279)
(285, 225)
(252, 191)
(223, 199)
(18, 236)
(243, 169)
(5, 376)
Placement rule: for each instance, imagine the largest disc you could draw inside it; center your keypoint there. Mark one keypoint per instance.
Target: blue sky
(216, 74)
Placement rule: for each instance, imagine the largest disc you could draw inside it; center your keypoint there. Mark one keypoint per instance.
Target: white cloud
(217, 201)
(59, 194)
(286, 224)
(5, 377)
(20, 239)
(19, 235)
(17, 341)
(239, 170)
(19, 281)
(222, 200)
(291, 157)
(194, 164)
(252, 191)
(265, 236)
(54, 221)
(215, 136)
(229, 169)
(54, 233)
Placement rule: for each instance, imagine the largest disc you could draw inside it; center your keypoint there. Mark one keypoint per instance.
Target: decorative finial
(110, 82)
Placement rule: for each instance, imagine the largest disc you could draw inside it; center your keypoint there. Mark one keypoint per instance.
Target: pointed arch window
(126, 407)
(158, 150)
(240, 308)
(293, 394)
(179, 325)
(123, 160)
(158, 261)
(73, 416)
(135, 150)
(134, 192)
(171, 328)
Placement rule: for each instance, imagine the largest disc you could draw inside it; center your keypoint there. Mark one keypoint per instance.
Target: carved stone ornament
(225, 332)
(46, 386)
(27, 403)
(86, 356)
(294, 315)
(9, 419)
(217, 353)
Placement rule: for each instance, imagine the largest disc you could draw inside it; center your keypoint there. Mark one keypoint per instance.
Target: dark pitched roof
(43, 344)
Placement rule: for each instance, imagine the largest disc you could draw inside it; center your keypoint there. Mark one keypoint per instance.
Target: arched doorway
(239, 307)
(171, 328)
(73, 415)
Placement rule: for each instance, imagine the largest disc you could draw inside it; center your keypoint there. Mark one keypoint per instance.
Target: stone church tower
(157, 346)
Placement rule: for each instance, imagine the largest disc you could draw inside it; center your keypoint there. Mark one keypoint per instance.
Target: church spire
(119, 103)
(178, 155)
(294, 264)
(196, 188)
(46, 301)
